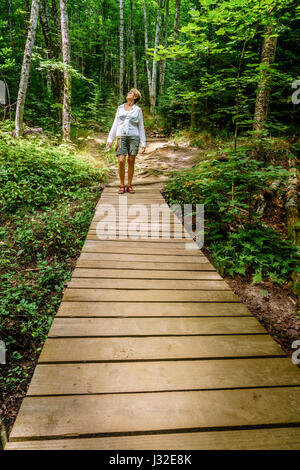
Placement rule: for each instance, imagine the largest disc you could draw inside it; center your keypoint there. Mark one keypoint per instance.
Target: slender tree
(154, 62)
(66, 53)
(57, 31)
(176, 20)
(26, 67)
(152, 77)
(121, 50)
(52, 53)
(163, 63)
(146, 48)
(263, 89)
(133, 46)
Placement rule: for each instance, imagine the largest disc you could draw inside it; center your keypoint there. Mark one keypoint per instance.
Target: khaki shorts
(128, 145)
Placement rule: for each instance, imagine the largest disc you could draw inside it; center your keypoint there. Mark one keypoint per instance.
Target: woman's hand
(143, 149)
(108, 145)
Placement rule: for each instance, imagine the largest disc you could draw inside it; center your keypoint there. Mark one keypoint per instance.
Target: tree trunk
(56, 26)
(26, 67)
(121, 91)
(263, 89)
(55, 75)
(162, 67)
(146, 48)
(105, 49)
(154, 63)
(133, 46)
(176, 20)
(66, 53)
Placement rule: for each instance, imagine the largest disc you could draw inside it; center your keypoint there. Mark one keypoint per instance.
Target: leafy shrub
(35, 174)
(237, 238)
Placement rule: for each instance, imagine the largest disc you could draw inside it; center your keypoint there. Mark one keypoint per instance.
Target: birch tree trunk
(26, 67)
(133, 46)
(154, 63)
(66, 53)
(163, 63)
(146, 48)
(263, 89)
(121, 51)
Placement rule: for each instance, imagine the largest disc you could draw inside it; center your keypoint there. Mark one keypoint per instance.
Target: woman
(128, 127)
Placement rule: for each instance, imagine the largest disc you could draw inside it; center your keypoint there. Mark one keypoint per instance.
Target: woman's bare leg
(131, 160)
(122, 169)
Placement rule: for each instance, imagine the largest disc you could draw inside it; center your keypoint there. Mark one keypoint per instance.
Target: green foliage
(257, 250)
(238, 239)
(34, 174)
(48, 197)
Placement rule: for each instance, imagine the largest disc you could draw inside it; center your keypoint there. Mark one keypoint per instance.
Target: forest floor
(273, 305)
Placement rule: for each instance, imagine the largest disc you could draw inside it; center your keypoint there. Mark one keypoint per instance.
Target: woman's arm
(113, 130)
(142, 129)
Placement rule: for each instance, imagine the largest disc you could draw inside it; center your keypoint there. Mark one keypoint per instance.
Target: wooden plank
(146, 226)
(151, 309)
(130, 213)
(139, 189)
(153, 326)
(142, 274)
(145, 258)
(142, 237)
(157, 348)
(151, 201)
(133, 226)
(140, 244)
(132, 197)
(128, 377)
(139, 236)
(133, 219)
(96, 414)
(137, 250)
(150, 295)
(138, 194)
(160, 236)
(120, 264)
(96, 283)
(113, 222)
(250, 439)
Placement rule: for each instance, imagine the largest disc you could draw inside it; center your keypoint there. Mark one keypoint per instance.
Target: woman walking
(128, 127)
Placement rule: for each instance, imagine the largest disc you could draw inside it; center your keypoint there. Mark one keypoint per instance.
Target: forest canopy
(216, 65)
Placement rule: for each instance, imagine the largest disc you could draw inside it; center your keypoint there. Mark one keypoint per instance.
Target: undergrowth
(239, 241)
(47, 198)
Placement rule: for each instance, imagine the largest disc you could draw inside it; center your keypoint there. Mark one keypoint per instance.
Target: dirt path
(161, 158)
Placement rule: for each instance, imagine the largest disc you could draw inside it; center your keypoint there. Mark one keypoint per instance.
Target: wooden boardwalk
(151, 349)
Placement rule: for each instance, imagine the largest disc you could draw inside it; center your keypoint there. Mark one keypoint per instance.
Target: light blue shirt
(128, 123)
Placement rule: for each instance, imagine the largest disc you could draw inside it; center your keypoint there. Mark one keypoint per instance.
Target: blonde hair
(137, 94)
